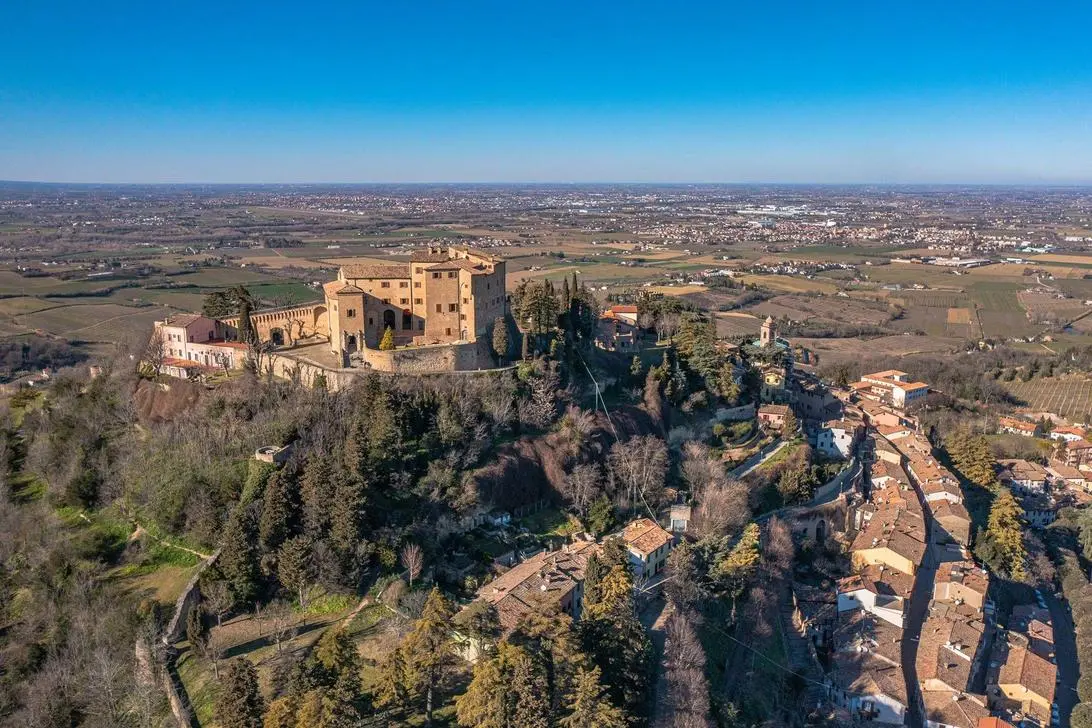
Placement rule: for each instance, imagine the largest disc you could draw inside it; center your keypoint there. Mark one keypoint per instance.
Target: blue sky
(357, 91)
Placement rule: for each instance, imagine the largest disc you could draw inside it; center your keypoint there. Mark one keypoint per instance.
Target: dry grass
(959, 316)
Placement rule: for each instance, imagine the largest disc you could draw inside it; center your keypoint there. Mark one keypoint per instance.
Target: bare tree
(282, 622)
(687, 703)
(640, 465)
(700, 469)
(583, 485)
(722, 509)
(155, 352)
(413, 559)
(217, 598)
(667, 325)
(217, 647)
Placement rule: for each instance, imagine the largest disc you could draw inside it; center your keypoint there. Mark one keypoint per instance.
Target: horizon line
(570, 183)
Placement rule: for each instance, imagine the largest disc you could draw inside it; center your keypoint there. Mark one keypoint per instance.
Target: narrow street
(1065, 652)
(915, 618)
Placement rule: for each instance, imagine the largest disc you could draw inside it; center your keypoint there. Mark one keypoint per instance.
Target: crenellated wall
(299, 322)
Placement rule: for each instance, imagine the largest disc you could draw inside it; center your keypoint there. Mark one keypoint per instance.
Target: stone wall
(428, 359)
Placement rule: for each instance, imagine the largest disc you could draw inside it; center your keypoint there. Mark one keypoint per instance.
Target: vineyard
(1069, 397)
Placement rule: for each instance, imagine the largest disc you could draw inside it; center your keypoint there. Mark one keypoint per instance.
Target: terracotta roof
(774, 409)
(428, 256)
(375, 271)
(878, 580)
(1078, 445)
(897, 529)
(949, 641)
(645, 536)
(994, 723)
(458, 264)
(972, 577)
(623, 309)
(952, 708)
(546, 576)
(183, 320)
(1027, 669)
(333, 288)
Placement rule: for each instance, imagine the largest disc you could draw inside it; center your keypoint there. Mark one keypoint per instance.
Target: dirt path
(140, 531)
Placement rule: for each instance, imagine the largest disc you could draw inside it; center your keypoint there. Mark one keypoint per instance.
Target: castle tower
(768, 337)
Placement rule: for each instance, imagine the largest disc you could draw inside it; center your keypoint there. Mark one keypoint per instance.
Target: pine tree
(346, 518)
(278, 511)
(501, 343)
(589, 705)
(387, 342)
(240, 704)
(238, 560)
(294, 568)
(791, 424)
(428, 649)
(317, 493)
(197, 632)
(1003, 541)
(485, 704)
(616, 641)
(530, 690)
(282, 712)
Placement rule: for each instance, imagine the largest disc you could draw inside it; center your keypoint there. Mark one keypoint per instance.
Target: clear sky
(461, 90)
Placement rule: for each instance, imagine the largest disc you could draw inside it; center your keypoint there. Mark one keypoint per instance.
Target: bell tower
(768, 336)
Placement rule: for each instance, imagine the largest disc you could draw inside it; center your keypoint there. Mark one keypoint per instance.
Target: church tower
(768, 337)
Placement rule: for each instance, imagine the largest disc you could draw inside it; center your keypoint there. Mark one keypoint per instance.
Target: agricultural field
(1069, 396)
(840, 350)
(737, 324)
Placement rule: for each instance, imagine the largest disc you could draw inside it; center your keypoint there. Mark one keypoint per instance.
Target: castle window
(403, 301)
(403, 284)
(439, 308)
(466, 300)
(447, 332)
(407, 320)
(462, 316)
(417, 284)
(387, 301)
(371, 321)
(452, 274)
(418, 270)
(418, 301)
(436, 274)
(385, 284)
(452, 307)
(350, 313)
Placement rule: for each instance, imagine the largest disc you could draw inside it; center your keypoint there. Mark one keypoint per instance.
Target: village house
(949, 650)
(1066, 476)
(878, 590)
(866, 671)
(773, 415)
(893, 537)
(891, 387)
(950, 709)
(648, 545)
(1067, 433)
(953, 523)
(1022, 681)
(193, 344)
(1018, 427)
(963, 583)
(1076, 453)
(618, 329)
(836, 438)
(1023, 476)
(546, 580)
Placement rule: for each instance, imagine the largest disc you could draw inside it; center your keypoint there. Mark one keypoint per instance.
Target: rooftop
(645, 536)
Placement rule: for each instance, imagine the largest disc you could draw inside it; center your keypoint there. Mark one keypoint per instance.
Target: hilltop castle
(439, 297)
(440, 308)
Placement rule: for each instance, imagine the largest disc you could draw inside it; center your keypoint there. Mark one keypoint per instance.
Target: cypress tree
(240, 704)
(238, 560)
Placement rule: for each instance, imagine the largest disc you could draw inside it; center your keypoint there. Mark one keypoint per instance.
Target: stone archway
(821, 531)
(277, 336)
(388, 320)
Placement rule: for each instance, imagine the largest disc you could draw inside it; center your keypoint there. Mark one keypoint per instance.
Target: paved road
(758, 458)
(1065, 652)
(915, 618)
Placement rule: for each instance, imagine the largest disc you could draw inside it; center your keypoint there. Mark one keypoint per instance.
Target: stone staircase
(801, 654)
